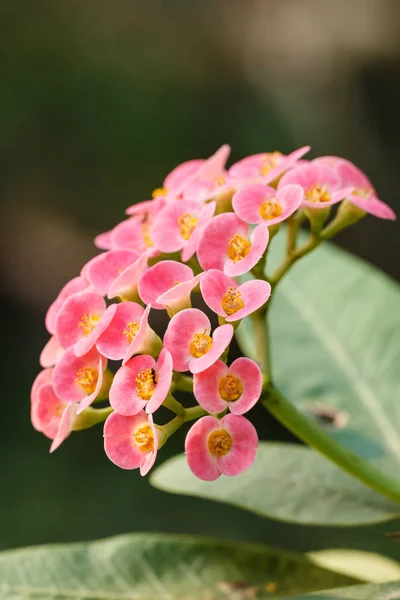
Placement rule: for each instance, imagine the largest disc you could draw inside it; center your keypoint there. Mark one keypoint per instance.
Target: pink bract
(77, 284)
(178, 297)
(188, 340)
(214, 447)
(42, 378)
(160, 278)
(227, 246)
(127, 333)
(229, 299)
(321, 185)
(51, 353)
(54, 415)
(141, 381)
(237, 387)
(128, 441)
(78, 316)
(125, 286)
(79, 379)
(259, 203)
(102, 270)
(363, 195)
(178, 226)
(266, 166)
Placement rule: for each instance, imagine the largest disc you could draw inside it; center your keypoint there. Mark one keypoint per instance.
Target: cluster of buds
(206, 227)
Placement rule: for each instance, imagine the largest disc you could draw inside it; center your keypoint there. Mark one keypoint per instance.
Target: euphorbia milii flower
(131, 442)
(78, 317)
(42, 378)
(55, 416)
(363, 195)
(214, 447)
(258, 203)
(125, 286)
(237, 387)
(229, 299)
(51, 353)
(321, 185)
(141, 382)
(128, 333)
(188, 340)
(102, 270)
(77, 284)
(79, 378)
(168, 284)
(266, 166)
(178, 226)
(226, 245)
(133, 234)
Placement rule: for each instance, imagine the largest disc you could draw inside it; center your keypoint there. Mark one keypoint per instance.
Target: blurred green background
(99, 100)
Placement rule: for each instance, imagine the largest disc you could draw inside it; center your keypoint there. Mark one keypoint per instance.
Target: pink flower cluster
(205, 227)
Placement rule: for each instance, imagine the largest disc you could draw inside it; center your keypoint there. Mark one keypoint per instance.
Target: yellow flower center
(270, 209)
(220, 180)
(161, 191)
(317, 193)
(146, 382)
(269, 160)
(144, 438)
(88, 323)
(131, 330)
(201, 343)
(219, 442)
(87, 378)
(230, 388)
(186, 224)
(232, 301)
(238, 248)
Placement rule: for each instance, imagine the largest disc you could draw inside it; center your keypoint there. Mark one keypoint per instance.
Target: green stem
(312, 434)
(90, 417)
(194, 413)
(183, 383)
(261, 338)
(173, 405)
(288, 261)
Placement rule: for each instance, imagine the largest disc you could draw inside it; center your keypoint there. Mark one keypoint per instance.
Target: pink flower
(363, 195)
(77, 284)
(266, 166)
(78, 317)
(55, 417)
(131, 442)
(128, 333)
(258, 203)
(168, 285)
(125, 286)
(146, 208)
(211, 180)
(178, 226)
(320, 183)
(188, 340)
(237, 387)
(133, 234)
(227, 246)
(214, 447)
(229, 299)
(141, 382)
(102, 270)
(51, 353)
(79, 379)
(42, 378)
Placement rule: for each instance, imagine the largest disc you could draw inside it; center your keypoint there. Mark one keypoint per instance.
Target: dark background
(98, 101)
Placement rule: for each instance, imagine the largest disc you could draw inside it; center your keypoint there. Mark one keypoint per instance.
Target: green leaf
(335, 330)
(287, 482)
(166, 567)
(384, 591)
(368, 566)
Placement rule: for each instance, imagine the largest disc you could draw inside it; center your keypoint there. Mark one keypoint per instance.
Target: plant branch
(282, 269)
(313, 435)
